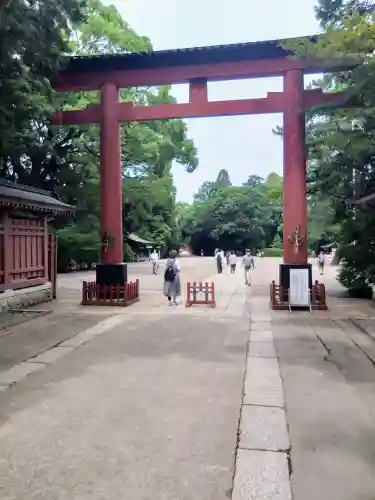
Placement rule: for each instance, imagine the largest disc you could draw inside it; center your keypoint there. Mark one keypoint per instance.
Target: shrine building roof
(19, 196)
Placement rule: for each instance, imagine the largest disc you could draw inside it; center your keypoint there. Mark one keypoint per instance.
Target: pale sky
(243, 145)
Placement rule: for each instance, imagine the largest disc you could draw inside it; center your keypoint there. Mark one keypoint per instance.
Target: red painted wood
(7, 250)
(192, 292)
(198, 92)
(197, 108)
(110, 176)
(17, 285)
(52, 263)
(294, 183)
(21, 245)
(45, 248)
(316, 97)
(91, 114)
(119, 295)
(231, 70)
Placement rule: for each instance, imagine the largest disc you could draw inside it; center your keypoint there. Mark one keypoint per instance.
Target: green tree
(209, 189)
(66, 159)
(229, 217)
(30, 58)
(341, 141)
(148, 149)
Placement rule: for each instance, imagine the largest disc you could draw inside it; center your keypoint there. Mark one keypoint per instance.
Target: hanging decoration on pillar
(297, 239)
(107, 241)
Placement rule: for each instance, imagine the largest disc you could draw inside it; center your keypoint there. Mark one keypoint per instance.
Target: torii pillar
(111, 270)
(294, 182)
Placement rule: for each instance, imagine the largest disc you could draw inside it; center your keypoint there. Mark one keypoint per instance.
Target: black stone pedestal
(284, 276)
(111, 274)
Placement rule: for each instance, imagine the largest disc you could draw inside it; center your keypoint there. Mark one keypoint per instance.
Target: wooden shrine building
(27, 250)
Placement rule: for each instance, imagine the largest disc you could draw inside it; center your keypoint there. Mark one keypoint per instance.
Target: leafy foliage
(342, 141)
(233, 217)
(273, 252)
(66, 159)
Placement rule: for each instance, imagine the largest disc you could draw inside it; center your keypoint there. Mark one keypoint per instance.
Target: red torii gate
(197, 66)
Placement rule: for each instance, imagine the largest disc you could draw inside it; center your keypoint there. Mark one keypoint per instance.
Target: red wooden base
(103, 295)
(195, 291)
(279, 297)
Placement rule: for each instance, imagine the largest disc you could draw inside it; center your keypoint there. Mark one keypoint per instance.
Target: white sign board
(299, 293)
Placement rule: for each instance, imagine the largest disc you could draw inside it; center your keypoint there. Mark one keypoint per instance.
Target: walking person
(248, 264)
(154, 259)
(172, 283)
(321, 262)
(232, 262)
(227, 258)
(219, 262)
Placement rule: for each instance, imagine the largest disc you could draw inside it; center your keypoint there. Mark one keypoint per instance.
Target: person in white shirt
(321, 262)
(219, 261)
(232, 262)
(248, 264)
(154, 259)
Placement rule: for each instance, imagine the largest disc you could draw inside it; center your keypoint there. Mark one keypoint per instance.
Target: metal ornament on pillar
(297, 239)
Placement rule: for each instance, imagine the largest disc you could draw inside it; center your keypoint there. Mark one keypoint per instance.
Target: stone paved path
(139, 406)
(166, 403)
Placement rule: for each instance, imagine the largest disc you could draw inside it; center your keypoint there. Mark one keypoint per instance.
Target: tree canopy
(341, 141)
(66, 159)
(233, 217)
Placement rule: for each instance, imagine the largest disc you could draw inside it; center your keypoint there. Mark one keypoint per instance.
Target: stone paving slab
(77, 340)
(51, 355)
(330, 403)
(366, 325)
(21, 370)
(263, 428)
(11, 318)
(261, 475)
(145, 412)
(261, 317)
(262, 350)
(261, 335)
(359, 337)
(30, 339)
(18, 372)
(260, 325)
(263, 385)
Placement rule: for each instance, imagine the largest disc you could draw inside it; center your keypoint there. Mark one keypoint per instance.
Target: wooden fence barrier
(198, 293)
(114, 295)
(279, 297)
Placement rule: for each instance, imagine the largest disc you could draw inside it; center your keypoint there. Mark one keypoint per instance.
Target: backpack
(170, 273)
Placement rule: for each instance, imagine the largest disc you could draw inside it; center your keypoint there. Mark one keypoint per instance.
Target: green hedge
(273, 252)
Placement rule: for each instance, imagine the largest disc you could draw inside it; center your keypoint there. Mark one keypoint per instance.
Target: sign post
(299, 291)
